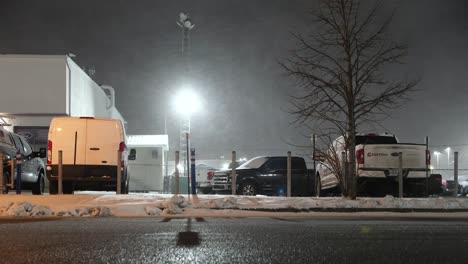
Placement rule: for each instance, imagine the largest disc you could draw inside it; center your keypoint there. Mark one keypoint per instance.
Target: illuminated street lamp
(437, 154)
(448, 157)
(187, 103)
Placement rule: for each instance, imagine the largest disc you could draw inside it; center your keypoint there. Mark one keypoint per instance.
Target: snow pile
(28, 209)
(223, 203)
(152, 210)
(174, 205)
(333, 203)
(85, 212)
(24, 209)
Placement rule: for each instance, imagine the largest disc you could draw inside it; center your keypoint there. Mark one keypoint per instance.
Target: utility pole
(185, 23)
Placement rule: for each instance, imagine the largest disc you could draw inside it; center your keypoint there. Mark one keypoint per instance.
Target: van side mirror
(132, 155)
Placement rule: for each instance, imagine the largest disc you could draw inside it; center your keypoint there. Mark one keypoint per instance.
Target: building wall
(87, 98)
(33, 84)
(35, 88)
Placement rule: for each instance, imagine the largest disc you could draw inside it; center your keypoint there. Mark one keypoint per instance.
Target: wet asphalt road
(239, 240)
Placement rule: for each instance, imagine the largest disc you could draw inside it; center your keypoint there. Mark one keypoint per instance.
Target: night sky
(135, 47)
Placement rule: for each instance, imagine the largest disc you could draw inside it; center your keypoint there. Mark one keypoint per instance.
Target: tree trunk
(352, 161)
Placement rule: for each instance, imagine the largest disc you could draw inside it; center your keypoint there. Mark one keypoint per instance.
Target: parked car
(449, 186)
(377, 166)
(89, 146)
(267, 176)
(32, 168)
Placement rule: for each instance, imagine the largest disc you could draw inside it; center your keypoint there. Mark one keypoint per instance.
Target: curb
(349, 210)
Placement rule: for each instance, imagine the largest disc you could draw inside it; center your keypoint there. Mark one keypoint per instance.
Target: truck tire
(464, 191)
(248, 188)
(38, 187)
(206, 190)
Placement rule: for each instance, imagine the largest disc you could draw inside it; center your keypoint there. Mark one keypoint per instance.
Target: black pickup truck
(267, 176)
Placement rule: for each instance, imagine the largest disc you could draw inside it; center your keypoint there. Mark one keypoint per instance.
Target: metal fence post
(176, 181)
(60, 173)
(2, 177)
(12, 173)
(288, 176)
(19, 161)
(455, 173)
(427, 155)
(233, 174)
(119, 173)
(400, 174)
(315, 166)
(193, 181)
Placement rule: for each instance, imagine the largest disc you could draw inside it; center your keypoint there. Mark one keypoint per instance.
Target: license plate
(393, 172)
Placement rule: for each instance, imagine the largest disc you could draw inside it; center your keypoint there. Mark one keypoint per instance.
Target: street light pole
(185, 23)
(437, 154)
(448, 157)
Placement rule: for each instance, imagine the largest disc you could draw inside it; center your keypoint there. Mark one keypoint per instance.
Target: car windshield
(254, 163)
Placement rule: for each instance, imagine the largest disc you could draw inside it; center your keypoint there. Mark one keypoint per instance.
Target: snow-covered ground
(104, 204)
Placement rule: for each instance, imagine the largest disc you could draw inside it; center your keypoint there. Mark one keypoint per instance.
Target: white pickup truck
(377, 167)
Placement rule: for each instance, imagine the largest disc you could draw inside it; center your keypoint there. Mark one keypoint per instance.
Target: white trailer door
(103, 139)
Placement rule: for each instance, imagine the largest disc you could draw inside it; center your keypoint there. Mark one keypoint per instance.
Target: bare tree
(340, 68)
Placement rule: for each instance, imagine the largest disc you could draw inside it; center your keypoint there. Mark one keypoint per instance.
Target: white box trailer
(147, 162)
(36, 88)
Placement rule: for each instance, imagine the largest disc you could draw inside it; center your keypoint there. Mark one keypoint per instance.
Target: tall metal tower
(185, 23)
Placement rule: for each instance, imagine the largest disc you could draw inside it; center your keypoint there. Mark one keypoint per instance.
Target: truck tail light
(49, 152)
(360, 156)
(428, 157)
(210, 175)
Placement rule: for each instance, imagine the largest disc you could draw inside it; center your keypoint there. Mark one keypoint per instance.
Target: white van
(89, 153)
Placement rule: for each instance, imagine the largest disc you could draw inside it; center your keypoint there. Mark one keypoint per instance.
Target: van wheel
(53, 187)
(68, 187)
(39, 186)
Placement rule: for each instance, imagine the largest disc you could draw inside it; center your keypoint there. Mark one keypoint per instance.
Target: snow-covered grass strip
(98, 205)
